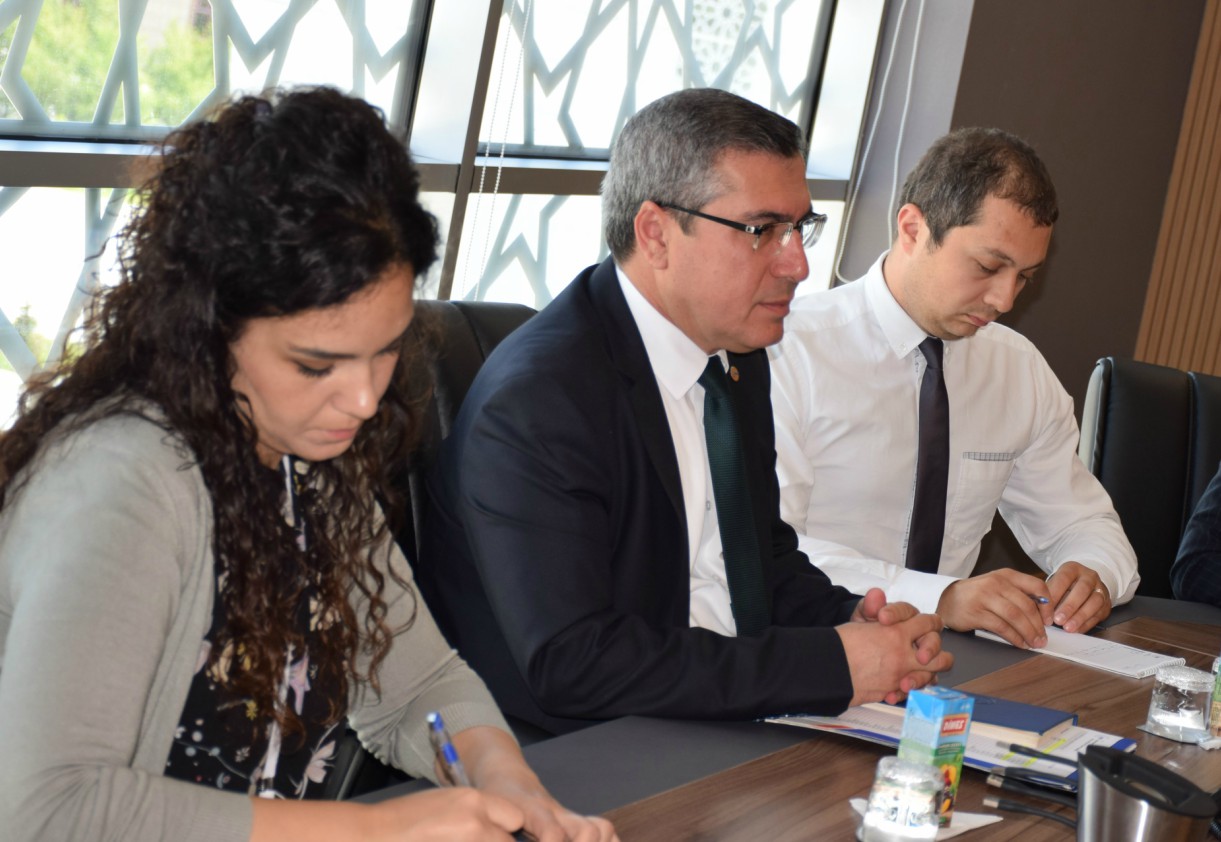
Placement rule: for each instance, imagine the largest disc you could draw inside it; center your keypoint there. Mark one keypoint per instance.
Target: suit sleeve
(1196, 574)
(553, 521)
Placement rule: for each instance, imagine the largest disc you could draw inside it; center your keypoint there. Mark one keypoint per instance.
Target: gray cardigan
(106, 585)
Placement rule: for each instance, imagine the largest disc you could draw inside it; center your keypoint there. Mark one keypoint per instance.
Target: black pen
(447, 755)
(1019, 807)
(1030, 790)
(1043, 779)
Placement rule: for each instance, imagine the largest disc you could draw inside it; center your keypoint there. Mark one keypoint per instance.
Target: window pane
(357, 46)
(77, 78)
(822, 256)
(588, 65)
(532, 246)
(440, 205)
(69, 53)
(45, 236)
(526, 248)
(174, 47)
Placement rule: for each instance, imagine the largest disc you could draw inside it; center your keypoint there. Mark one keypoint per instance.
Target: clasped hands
(891, 649)
(1019, 607)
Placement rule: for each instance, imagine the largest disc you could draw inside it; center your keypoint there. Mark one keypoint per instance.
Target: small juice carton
(935, 731)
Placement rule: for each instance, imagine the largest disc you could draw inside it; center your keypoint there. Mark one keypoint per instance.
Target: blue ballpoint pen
(446, 753)
(438, 735)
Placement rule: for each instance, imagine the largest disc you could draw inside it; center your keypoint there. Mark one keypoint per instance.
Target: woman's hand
(507, 797)
(496, 766)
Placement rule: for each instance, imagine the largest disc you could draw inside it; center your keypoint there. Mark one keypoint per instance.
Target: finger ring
(1100, 591)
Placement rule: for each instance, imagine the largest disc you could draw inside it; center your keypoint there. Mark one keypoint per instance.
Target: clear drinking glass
(1179, 706)
(903, 802)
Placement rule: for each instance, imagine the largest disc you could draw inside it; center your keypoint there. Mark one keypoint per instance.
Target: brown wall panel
(1181, 324)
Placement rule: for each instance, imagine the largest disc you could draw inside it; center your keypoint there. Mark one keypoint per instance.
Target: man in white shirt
(974, 226)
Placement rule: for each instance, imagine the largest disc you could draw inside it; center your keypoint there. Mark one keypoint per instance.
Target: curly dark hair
(278, 204)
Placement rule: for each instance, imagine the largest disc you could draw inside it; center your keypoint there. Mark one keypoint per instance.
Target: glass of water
(1179, 706)
(902, 803)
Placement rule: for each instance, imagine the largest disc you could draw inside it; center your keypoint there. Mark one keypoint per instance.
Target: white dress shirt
(677, 364)
(845, 391)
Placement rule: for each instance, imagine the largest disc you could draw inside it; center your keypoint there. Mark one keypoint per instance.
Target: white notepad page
(1096, 652)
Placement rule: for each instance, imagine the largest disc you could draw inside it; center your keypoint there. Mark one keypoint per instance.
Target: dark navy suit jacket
(555, 550)
(1196, 574)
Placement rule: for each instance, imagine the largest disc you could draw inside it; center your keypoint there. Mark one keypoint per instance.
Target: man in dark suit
(573, 551)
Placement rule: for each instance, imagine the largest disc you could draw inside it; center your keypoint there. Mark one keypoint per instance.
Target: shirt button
(707, 505)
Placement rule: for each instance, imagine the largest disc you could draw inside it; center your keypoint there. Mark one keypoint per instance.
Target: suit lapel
(628, 354)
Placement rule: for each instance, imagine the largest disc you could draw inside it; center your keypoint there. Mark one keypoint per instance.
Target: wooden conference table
(676, 780)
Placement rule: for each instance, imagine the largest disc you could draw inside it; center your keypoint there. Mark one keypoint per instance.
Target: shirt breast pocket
(981, 479)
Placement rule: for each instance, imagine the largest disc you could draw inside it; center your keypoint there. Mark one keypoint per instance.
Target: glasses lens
(776, 234)
(811, 228)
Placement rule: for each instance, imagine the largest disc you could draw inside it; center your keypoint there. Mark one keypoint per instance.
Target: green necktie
(735, 514)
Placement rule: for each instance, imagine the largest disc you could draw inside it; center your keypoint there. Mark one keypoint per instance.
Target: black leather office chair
(461, 335)
(1152, 436)
(464, 333)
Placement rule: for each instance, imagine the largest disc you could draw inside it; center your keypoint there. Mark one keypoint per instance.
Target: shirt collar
(677, 361)
(902, 334)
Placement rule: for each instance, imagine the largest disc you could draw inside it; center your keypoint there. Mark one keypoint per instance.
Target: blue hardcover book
(1008, 721)
(1017, 722)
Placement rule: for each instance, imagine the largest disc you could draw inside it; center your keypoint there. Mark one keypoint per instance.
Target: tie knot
(713, 379)
(931, 348)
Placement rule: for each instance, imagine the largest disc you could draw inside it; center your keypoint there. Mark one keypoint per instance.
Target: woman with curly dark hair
(196, 583)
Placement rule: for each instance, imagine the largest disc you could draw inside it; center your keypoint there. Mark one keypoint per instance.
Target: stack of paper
(1096, 652)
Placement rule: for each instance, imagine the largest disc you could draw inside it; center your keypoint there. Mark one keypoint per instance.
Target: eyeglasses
(810, 225)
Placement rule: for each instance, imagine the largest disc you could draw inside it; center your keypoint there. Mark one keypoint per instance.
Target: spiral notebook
(1098, 653)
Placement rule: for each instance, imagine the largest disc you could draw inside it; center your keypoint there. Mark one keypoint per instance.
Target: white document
(1096, 652)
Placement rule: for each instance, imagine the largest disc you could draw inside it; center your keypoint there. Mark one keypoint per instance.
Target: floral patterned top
(226, 742)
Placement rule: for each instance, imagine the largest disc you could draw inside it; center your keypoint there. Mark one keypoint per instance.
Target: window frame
(436, 124)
